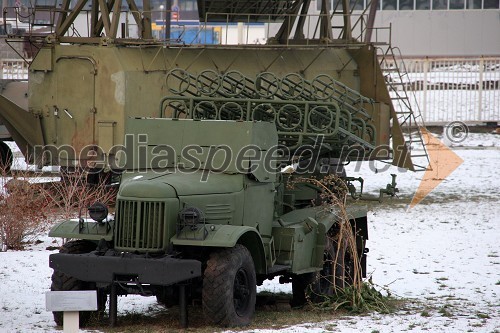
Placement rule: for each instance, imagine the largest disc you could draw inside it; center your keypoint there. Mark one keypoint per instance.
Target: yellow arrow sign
(442, 162)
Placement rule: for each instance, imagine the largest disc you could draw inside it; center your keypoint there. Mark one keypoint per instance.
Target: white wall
(243, 34)
(444, 32)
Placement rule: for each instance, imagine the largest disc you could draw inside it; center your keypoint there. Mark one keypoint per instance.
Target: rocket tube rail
(294, 120)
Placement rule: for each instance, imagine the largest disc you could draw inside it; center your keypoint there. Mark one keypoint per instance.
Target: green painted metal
(144, 224)
(88, 230)
(213, 235)
(300, 236)
(113, 92)
(235, 207)
(22, 126)
(210, 146)
(298, 122)
(225, 197)
(267, 87)
(217, 235)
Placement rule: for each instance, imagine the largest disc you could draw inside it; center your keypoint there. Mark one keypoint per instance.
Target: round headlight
(98, 212)
(191, 216)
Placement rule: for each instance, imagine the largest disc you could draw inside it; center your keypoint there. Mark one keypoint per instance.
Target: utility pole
(371, 20)
(162, 9)
(168, 19)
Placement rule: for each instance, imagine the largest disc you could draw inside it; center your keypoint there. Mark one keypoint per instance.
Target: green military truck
(191, 230)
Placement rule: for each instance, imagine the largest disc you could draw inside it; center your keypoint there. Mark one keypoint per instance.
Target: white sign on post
(71, 302)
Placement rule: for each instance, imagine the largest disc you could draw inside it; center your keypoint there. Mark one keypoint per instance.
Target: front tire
(229, 287)
(63, 282)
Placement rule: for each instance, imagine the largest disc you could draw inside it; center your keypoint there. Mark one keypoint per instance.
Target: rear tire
(229, 287)
(300, 283)
(337, 272)
(63, 282)
(5, 157)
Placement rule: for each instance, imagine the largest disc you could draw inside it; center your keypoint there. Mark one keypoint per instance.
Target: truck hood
(171, 184)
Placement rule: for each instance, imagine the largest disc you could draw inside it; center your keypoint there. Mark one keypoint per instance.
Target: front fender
(89, 230)
(212, 235)
(215, 235)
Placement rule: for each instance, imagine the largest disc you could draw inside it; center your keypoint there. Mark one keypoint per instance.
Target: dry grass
(334, 194)
(356, 296)
(273, 312)
(275, 316)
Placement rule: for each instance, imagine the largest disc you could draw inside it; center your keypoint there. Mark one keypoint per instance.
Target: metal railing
(454, 89)
(250, 34)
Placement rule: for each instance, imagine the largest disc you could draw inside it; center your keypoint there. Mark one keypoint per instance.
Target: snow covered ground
(442, 255)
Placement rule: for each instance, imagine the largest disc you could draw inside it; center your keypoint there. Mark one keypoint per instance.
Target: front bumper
(104, 268)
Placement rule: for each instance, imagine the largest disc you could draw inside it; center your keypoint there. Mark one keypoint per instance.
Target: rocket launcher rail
(302, 110)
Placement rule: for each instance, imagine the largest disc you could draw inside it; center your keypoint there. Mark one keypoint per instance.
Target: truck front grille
(141, 226)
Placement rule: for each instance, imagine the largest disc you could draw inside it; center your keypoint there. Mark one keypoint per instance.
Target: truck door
(75, 120)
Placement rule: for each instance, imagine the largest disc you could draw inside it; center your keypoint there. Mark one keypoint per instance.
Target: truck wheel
(300, 283)
(63, 282)
(337, 272)
(5, 157)
(229, 287)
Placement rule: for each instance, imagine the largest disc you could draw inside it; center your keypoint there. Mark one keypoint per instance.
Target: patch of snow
(479, 140)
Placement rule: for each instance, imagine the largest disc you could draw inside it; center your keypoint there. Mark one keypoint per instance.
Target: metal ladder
(405, 104)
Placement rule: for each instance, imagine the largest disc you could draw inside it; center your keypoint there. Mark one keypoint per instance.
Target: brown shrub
(28, 203)
(23, 210)
(74, 193)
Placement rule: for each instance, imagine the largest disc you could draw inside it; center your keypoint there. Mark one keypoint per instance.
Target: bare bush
(29, 202)
(23, 209)
(74, 193)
